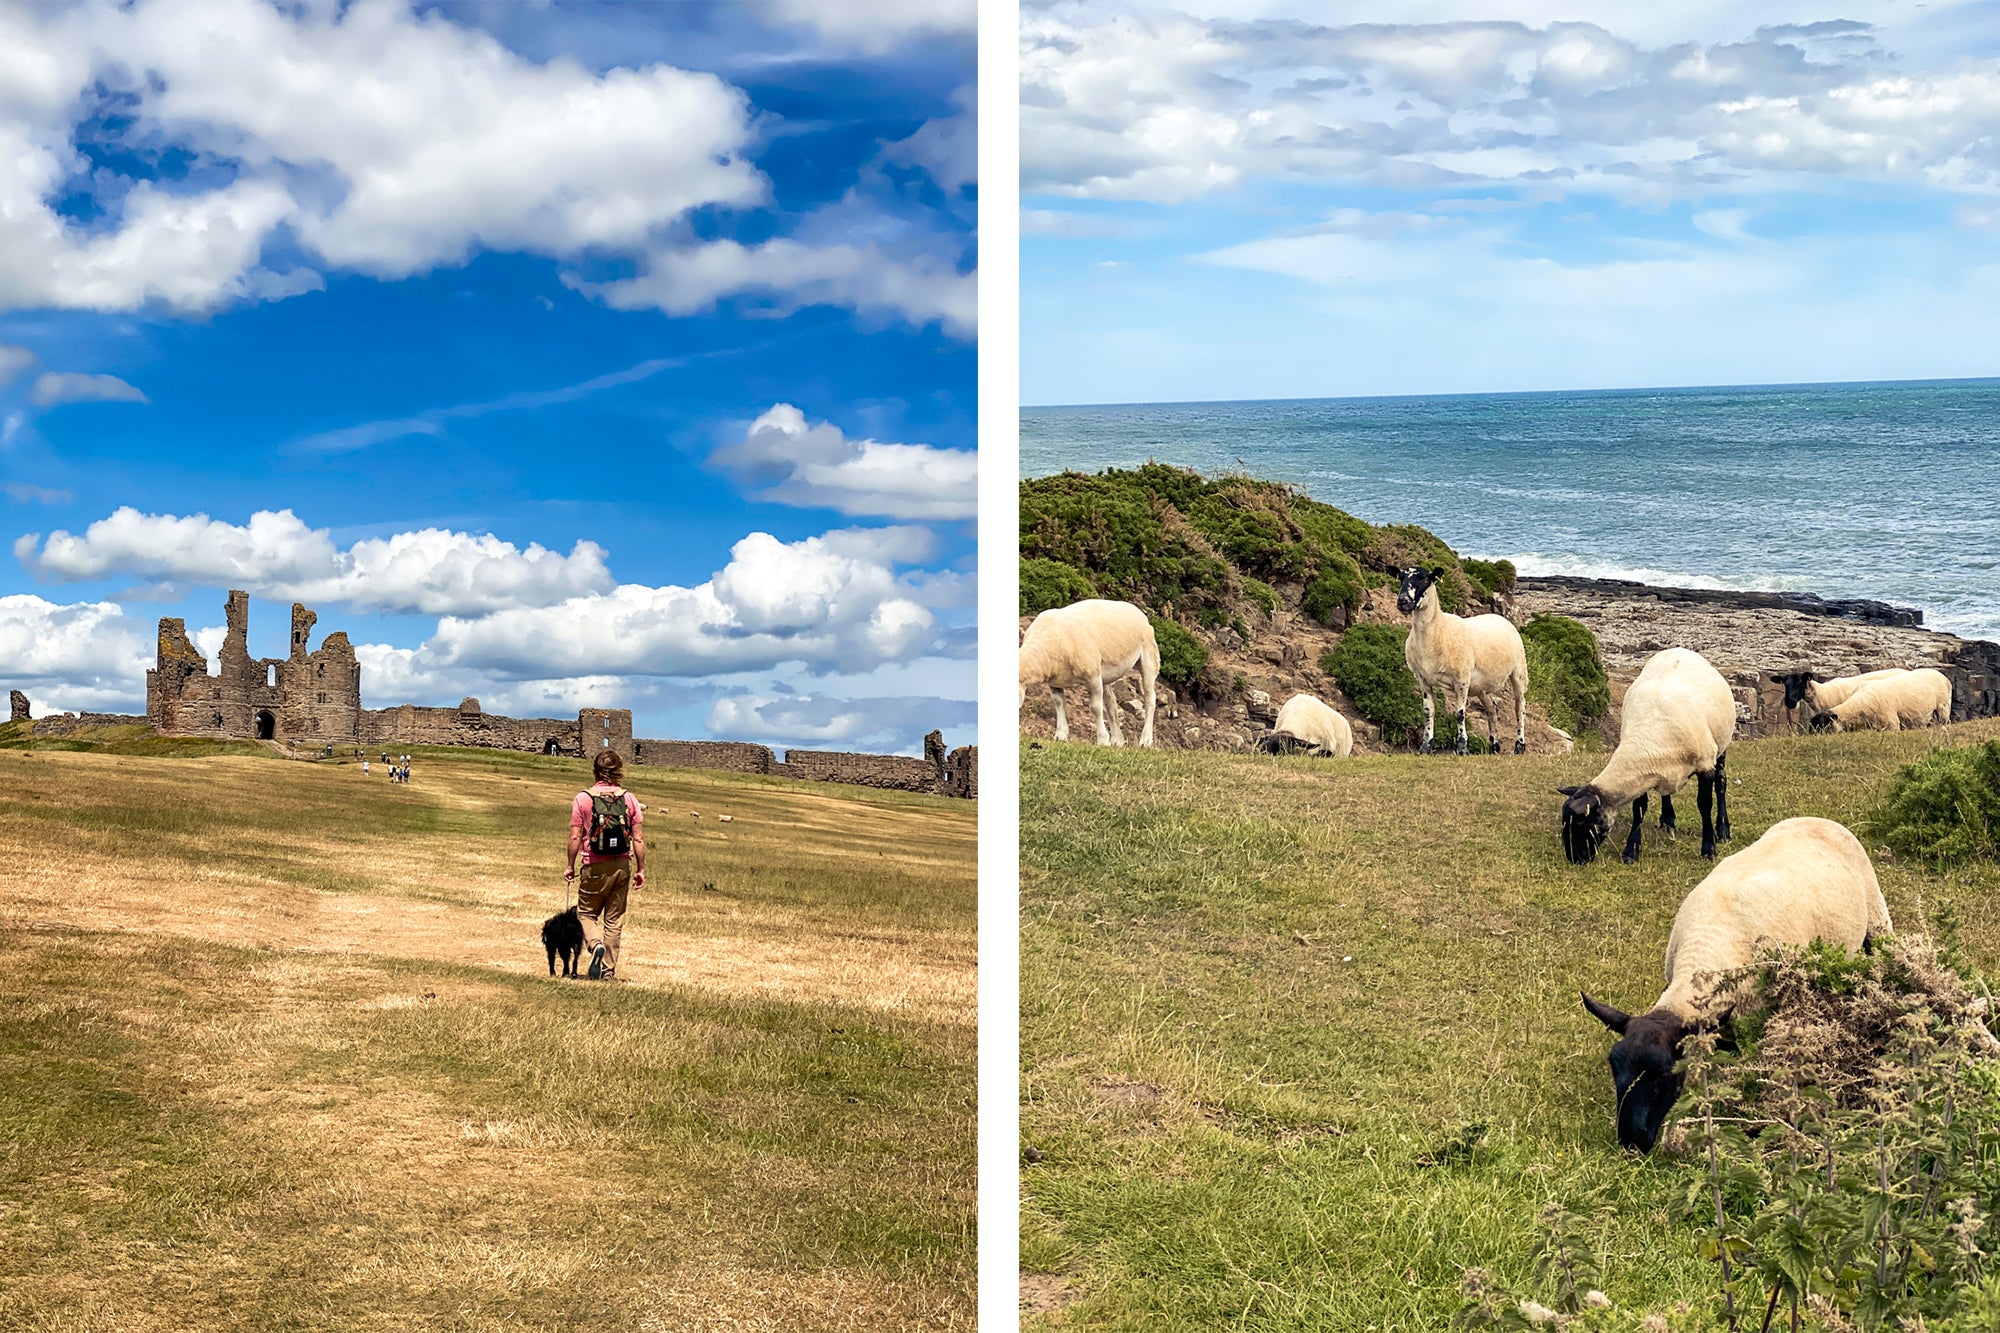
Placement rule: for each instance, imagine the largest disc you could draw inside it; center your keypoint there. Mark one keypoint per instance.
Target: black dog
(563, 934)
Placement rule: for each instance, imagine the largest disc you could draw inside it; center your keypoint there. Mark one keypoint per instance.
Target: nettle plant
(1842, 1158)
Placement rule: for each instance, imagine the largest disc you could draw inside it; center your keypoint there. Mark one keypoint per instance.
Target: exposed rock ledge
(1749, 635)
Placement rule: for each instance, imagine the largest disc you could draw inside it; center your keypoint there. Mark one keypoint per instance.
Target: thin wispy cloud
(433, 421)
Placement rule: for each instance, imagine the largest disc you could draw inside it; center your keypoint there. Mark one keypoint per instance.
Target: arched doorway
(267, 725)
(553, 747)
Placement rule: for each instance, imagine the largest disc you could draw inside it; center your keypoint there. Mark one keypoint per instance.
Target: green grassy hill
(1301, 1040)
(278, 1050)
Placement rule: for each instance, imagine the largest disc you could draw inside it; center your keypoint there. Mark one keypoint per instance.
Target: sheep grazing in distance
(725, 819)
(1909, 699)
(1820, 693)
(1464, 658)
(1804, 880)
(1309, 725)
(1093, 643)
(1679, 719)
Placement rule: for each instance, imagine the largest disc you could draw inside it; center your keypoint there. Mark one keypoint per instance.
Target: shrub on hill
(1368, 666)
(1046, 584)
(1945, 808)
(1179, 543)
(1565, 671)
(1182, 657)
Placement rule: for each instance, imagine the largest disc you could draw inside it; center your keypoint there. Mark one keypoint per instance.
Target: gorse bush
(1046, 584)
(1368, 666)
(1565, 671)
(1176, 542)
(1844, 1160)
(1182, 657)
(1945, 808)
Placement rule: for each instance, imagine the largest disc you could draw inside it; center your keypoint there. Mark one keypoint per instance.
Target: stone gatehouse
(311, 698)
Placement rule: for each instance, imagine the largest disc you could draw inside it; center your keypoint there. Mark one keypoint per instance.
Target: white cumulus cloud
(87, 656)
(277, 555)
(390, 141)
(815, 465)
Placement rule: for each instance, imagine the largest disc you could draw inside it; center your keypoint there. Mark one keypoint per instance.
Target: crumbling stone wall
(962, 773)
(895, 771)
(468, 725)
(727, 756)
(66, 724)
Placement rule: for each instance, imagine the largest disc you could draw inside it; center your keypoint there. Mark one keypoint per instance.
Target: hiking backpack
(610, 824)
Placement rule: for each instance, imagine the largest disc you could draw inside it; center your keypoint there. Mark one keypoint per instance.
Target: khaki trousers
(600, 893)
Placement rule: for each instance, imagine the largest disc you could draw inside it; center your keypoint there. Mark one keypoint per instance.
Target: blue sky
(562, 355)
(1239, 200)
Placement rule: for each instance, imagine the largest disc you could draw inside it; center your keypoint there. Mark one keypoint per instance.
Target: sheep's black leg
(1463, 748)
(1667, 813)
(1721, 798)
(1430, 713)
(1704, 796)
(552, 960)
(1632, 838)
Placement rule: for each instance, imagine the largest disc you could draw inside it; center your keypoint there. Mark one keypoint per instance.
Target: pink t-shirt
(579, 816)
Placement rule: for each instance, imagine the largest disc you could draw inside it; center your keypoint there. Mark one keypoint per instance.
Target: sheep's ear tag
(1615, 1019)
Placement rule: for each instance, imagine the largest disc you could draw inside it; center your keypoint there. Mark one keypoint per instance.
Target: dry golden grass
(278, 1050)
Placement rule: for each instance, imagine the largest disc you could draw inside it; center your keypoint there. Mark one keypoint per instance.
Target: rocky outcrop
(1750, 636)
(17, 703)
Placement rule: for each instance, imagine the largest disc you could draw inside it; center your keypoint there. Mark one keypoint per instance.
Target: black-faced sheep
(1475, 657)
(1092, 643)
(1820, 693)
(1679, 718)
(1804, 880)
(1907, 699)
(1309, 725)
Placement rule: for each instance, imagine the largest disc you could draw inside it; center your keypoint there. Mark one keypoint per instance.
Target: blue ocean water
(1889, 491)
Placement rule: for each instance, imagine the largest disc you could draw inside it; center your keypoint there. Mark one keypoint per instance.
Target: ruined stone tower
(305, 698)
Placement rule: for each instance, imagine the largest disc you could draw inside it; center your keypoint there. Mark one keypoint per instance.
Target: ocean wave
(1533, 563)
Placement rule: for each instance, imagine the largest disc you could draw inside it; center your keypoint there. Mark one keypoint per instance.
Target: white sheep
(1820, 694)
(1804, 880)
(1908, 699)
(725, 819)
(1679, 718)
(1464, 658)
(1092, 643)
(1306, 723)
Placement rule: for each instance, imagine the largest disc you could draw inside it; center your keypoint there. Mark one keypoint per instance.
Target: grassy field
(1301, 1039)
(278, 1050)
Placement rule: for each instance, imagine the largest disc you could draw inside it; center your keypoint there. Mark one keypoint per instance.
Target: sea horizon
(1876, 489)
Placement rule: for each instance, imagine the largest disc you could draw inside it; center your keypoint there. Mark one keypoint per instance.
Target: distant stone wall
(64, 724)
(468, 725)
(726, 756)
(895, 771)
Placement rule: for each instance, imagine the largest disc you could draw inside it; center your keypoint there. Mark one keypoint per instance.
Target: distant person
(604, 829)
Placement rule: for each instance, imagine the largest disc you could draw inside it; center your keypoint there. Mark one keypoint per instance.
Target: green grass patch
(1300, 1048)
(1945, 808)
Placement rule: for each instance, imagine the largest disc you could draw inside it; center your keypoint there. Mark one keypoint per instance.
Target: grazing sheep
(1679, 719)
(1804, 880)
(1092, 643)
(725, 819)
(1820, 693)
(1307, 724)
(1464, 657)
(1909, 699)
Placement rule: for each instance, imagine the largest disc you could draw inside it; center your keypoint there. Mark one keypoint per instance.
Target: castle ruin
(312, 698)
